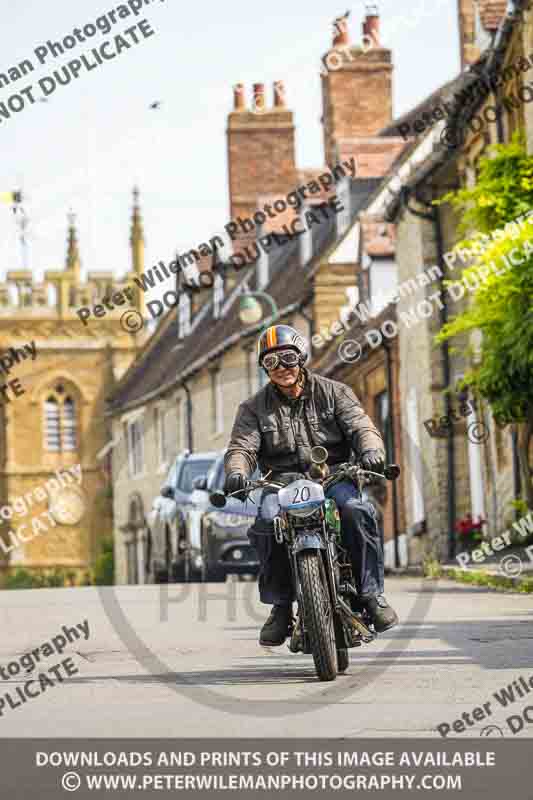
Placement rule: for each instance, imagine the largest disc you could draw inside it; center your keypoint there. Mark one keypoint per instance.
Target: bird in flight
(155, 105)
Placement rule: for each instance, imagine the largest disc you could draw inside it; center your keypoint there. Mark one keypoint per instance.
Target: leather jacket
(277, 433)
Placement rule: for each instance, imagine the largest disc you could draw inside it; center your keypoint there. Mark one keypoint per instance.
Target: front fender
(308, 541)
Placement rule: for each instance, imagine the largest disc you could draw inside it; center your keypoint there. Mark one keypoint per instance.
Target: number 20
(301, 499)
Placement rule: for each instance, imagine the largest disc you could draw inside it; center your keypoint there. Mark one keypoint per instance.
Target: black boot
(380, 612)
(276, 628)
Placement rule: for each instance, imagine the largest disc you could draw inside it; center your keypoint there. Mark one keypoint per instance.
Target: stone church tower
(55, 372)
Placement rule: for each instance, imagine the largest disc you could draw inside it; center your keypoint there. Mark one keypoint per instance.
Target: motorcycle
(308, 524)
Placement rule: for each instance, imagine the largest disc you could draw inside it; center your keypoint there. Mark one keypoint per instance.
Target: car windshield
(191, 470)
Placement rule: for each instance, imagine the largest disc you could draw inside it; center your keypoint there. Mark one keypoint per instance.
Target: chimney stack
(261, 152)
(356, 87)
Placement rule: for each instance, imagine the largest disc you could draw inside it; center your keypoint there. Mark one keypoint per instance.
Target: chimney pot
(259, 97)
(371, 24)
(239, 101)
(279, 94)
(341, 35)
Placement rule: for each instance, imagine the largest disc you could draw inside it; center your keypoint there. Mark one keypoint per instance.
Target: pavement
(184, 661)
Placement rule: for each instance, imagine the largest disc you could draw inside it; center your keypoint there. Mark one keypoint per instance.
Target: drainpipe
(395, 506)
(189, 417)
(434, 217)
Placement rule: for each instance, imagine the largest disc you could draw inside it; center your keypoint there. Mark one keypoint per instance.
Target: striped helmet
(277, 337)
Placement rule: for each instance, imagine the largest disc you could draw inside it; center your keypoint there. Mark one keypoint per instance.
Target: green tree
(502, 305)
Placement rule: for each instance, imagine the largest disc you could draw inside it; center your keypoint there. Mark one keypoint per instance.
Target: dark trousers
(362, 535)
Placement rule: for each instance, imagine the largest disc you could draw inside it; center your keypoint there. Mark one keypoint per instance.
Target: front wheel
(318, 616)
(343, 659)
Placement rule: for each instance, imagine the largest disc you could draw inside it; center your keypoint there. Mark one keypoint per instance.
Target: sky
(95, 138)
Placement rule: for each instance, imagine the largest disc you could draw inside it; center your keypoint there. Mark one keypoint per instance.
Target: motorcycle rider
(276, 428)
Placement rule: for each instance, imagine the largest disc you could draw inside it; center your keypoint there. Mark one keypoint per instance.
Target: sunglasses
(285, 358)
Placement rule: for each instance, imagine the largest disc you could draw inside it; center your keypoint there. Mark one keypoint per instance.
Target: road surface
(184, 661)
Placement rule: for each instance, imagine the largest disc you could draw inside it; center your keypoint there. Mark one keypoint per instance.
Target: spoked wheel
(318, 616)
(343, 660)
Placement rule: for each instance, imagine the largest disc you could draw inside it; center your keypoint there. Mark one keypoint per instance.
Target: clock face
(67, 507)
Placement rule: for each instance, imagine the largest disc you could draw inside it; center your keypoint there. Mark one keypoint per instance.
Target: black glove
(235, 482)
(374, 460)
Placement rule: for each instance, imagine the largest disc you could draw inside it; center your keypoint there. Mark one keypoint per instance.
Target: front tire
(318, 616)
(343, 660)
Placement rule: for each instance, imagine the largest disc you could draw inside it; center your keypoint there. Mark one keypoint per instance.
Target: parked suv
(169, 551)
(218, 536)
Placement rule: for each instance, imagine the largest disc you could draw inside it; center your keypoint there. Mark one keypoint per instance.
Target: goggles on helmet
(287, 358)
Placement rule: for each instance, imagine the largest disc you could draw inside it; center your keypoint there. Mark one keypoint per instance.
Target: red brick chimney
(490, 12)
(261, 154)
(467, 32)
(356, 86)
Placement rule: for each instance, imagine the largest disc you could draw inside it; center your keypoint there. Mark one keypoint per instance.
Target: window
(135, 447)
(168, 431)
(306, 238)
(218, 295)
(343, 196)
(59, 422)
(216, 404)
(25, 294)
(184, 315)
(163, 428)
(262, 270)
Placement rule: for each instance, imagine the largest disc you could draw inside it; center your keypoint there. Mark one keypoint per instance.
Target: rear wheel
(318, 616)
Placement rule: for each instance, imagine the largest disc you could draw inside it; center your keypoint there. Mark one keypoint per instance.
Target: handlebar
(353, 471)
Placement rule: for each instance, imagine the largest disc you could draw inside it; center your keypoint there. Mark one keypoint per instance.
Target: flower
(469, 527)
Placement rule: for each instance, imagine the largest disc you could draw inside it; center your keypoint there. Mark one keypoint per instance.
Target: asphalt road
(185, 662)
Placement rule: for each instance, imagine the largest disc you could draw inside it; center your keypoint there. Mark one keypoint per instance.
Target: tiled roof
(290, 285)
(444, 93)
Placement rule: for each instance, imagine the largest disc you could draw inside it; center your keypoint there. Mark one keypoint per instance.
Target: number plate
(301, 494)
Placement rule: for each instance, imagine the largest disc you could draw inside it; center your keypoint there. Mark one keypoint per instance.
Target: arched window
(59, 422)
